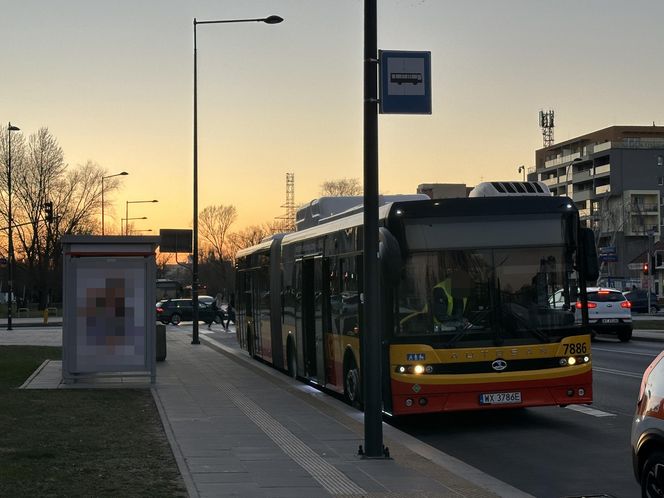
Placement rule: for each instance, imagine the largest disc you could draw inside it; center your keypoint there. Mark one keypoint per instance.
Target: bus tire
(291, 358)
(352, 382)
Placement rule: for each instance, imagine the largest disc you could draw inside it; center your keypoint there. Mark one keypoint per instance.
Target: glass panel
(491, 296)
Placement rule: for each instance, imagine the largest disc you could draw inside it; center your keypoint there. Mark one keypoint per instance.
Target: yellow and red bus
(468, 315)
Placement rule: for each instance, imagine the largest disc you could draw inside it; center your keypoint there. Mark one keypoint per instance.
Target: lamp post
(10, 242)
(126, 224)
(124, 173)
(127, 212)
(194, 265)
(522, 169)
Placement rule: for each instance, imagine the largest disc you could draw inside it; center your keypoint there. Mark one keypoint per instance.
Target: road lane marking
(634, 375)
(589, 411)
(622, 351)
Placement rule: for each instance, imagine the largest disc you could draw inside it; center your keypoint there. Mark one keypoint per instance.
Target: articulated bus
(468, 315)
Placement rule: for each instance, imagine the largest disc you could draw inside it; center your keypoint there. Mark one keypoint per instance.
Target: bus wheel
(352, 386)
(292, 360)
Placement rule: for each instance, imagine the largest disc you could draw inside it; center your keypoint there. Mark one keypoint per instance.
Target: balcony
(558, 161)
(601, 147)
(603, 189)
(603, 170)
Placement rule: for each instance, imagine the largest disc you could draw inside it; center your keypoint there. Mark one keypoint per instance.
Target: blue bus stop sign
(405, 82)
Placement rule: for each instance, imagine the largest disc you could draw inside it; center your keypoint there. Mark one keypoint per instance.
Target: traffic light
(646, 268)
(48, 209)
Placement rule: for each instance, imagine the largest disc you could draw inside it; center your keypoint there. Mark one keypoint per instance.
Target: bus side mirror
(389, 253)
(589, 254)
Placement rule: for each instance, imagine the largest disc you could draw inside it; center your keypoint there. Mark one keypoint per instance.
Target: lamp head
(13, 128)
(273, 20)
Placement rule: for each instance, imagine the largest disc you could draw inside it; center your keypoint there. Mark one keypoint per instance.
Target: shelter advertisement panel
(109, 319)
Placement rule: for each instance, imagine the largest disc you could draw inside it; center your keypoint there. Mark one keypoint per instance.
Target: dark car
(639, 300)
(177, 310)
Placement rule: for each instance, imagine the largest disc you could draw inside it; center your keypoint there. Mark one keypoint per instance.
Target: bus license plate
(500, 398)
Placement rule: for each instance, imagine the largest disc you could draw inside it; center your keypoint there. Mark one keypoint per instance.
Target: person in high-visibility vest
(450, 297)
(447, 307)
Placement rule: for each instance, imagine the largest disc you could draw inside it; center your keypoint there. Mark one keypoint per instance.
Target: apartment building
(616, 178)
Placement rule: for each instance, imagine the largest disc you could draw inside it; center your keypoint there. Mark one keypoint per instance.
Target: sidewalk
(240, 428)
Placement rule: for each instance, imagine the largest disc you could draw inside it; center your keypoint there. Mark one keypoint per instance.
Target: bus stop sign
(405, 82)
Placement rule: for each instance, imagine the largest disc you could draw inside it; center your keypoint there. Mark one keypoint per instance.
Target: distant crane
(288, 219)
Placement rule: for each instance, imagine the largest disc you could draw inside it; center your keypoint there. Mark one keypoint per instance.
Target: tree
(214, 222)
(250, 236)
(40, 176)
(342, 187)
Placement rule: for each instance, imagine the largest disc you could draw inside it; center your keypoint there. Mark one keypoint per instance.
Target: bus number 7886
(576, 348)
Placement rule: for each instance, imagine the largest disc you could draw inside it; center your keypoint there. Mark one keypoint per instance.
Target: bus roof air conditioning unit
(506, 189)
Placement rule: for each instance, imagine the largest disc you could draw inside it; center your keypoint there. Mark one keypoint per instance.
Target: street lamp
(127, 212)
(124, 173)
(522, 169)
(125, 221)
(10, 242)
(194, 266)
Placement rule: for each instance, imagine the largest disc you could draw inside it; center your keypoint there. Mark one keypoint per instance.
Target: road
(551, 451)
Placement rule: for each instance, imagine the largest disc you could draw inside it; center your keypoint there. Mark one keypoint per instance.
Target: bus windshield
(484, 297)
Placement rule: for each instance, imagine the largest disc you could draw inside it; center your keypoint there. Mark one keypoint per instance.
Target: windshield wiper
(467, 326)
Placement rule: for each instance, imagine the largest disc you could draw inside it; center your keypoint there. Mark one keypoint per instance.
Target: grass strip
(79, 442)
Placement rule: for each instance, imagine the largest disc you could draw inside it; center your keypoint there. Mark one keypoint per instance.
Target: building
(443, 190)
(616, 178)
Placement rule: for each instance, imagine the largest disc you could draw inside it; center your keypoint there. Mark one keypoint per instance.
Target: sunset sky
(113, 81)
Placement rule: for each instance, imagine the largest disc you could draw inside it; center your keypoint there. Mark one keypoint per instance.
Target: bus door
(312, 319)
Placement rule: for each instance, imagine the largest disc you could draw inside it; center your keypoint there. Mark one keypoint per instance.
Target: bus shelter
(108, 327)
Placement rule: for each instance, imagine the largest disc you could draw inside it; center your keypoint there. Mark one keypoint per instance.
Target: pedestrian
(215, 306)
(230, 312)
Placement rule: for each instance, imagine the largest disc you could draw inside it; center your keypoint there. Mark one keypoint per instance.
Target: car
(639, 300)
(647, 437)
(609, 312)
(177, 310)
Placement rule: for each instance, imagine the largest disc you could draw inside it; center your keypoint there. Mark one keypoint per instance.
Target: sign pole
(371, 335)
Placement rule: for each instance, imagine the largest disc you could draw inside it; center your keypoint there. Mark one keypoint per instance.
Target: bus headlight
(571, 360)
(401, 369)
(418, 369)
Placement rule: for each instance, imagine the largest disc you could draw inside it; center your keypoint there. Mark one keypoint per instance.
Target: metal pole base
(384, 456)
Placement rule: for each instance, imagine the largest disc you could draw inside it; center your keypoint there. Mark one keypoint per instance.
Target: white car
(609, 312)
(648, 431)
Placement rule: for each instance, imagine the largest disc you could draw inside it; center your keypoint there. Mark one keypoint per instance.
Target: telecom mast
(288, 219)
(546, 123)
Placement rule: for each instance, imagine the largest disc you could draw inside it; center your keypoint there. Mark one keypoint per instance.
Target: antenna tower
(288, 219)
(546, 123)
